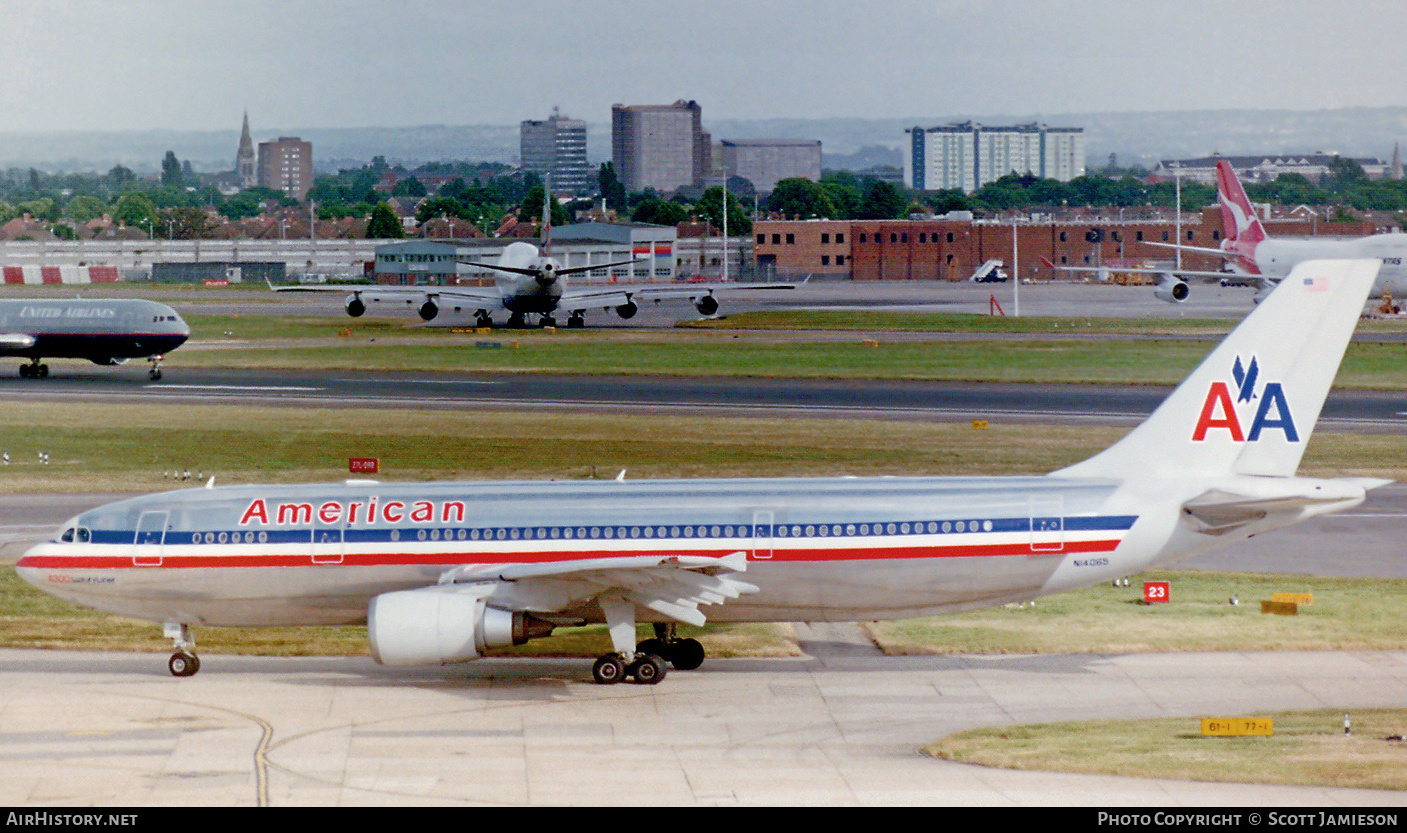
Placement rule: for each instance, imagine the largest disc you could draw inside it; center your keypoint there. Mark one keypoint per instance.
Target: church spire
(245, 163)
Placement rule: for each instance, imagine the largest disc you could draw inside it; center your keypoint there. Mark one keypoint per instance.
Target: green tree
(882, 201)
(710, 209)
(802, 199)
(171, 170)
(611, 187)
(384, 224)
(84, 208)
(531, 209)
(659, 212)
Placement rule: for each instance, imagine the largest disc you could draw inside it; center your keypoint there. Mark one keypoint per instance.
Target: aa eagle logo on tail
(1219, 411)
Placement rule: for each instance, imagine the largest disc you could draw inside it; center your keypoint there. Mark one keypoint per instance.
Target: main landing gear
(34, 370)
(646, 662)
(184, 662)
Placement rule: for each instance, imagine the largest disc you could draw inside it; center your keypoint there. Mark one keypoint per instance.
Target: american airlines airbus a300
(103, 332)
(444, 572)
(1251, 253)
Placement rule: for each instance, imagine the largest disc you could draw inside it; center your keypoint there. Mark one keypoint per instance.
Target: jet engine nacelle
(1171, 289)
(443, 624)
(627, 309)
(355, 306)
(428, 310)
(707, 305)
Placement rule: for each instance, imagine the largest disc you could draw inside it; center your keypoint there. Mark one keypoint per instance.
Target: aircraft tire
(608, 670)
(658, 647)
(687, 654)
(183, 664)
(648, 669)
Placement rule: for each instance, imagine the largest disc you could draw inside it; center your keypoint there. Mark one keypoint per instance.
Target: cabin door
(151, 535)
(1047, 524)
(762, 534)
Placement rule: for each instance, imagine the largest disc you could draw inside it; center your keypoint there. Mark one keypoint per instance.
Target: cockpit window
(75, 534)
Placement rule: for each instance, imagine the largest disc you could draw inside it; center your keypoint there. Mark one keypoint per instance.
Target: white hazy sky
(197, 64)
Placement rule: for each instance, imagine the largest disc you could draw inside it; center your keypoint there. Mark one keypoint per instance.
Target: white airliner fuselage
(1274, 257)
(442, 572)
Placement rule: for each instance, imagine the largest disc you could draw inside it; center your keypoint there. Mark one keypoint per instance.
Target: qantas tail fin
(1251, 405)
(1238, 217)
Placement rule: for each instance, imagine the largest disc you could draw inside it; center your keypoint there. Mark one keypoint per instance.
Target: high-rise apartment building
(286, 165)
(765, 162)
(557, 147)
(967, 156)
(662, 147)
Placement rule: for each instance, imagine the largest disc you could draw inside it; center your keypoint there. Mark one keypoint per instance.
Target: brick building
(952, 248)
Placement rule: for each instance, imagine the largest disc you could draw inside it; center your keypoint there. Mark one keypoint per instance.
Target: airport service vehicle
(103, 332)
(445, 572)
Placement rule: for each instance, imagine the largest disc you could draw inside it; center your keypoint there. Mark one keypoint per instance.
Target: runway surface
(841, 725)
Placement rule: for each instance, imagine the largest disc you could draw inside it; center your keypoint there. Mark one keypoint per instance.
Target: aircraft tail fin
(547, 214)
(1238, 217)
(1250, 406)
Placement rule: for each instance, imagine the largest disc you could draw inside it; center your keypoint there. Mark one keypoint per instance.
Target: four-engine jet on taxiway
(531, 282)
(443, 572)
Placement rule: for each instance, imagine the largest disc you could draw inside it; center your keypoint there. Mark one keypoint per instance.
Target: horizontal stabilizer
(1231, 507)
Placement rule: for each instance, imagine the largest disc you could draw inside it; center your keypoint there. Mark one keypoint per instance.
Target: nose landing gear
(184, 662)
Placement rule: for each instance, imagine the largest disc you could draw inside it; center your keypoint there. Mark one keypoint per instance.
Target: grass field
(1099, 352)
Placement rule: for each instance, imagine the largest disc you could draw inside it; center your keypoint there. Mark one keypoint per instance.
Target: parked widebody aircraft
(103, 332)
(1254, 257)
(532, 283)
(444, 572)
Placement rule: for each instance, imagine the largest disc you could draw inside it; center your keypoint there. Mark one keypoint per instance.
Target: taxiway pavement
(838, 727)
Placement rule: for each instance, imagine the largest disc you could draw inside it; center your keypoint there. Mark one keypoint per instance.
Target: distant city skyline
(85, 65)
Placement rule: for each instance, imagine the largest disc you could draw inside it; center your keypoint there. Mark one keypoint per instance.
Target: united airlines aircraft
(445, 572)
(103, 332)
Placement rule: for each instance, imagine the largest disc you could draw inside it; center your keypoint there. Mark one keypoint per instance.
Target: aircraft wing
(671, 585)
(589, 295)
(472, 293)
(1208, 277)
(1201, 250)
(16, 341)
